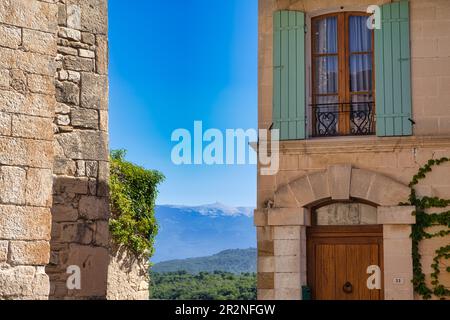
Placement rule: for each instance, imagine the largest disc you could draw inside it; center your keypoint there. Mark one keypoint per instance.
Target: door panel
(335, 261)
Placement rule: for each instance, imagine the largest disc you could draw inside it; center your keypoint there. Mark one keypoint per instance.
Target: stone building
(54, 197)
(359, 110)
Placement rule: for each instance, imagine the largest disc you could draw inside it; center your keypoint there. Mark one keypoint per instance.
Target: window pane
(360, 36)
(338, 214)
(326, 75)
(360, 72)
(325, 35)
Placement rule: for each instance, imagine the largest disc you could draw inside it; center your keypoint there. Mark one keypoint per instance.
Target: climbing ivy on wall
(133, 192)
(424, 221)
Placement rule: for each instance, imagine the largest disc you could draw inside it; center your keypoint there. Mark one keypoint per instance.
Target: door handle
(348, 287)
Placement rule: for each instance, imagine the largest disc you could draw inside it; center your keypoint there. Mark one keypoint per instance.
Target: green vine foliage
(424, 221)
(133, 192)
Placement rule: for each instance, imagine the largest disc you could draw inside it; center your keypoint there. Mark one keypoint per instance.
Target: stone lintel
(396, 215)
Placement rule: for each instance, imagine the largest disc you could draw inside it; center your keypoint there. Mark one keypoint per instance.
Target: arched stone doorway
(282, 229)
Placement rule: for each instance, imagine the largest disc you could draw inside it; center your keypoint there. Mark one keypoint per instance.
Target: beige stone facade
(373, 169)
(54, 197)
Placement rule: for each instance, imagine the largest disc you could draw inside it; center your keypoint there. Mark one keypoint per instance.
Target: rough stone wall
(80, 209)
(398, 158)
(27, 51)
(127, 275)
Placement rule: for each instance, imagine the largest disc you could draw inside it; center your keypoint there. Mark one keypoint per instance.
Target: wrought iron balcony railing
(340, 119)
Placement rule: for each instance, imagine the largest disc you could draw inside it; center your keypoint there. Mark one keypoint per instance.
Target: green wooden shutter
(393, 71)
(289, 74)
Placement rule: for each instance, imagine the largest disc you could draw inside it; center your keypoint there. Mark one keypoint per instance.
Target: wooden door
(338, 257)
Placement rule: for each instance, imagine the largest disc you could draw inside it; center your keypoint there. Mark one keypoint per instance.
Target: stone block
(70, 185)
(290, 264)
(396, 231)
(18, 81)
(286, 217)
(339, 177)
(29, 252)
(94, 16)
(103, 179)
(62, 120)
(25, 281)
(27, 61)
(64, 167)
(26, 152)
(264, 233)
(12, 184)
(102, 236)
(361, 181)
(67, 92)
(396, 215)
(266, 264)
(94, 208)
(85, 118)
(102, 55)
(62, 14)
(10, 36)
(5, 124)
(88, 38)
(64, 213)
(387, 192)
(3, 251)
(286, 247)
(397, 248)
(67, 51)
(24, 223)
(266, 294)
(265, 248)
(94, 91)
(4, 79)
(86, 53)
(93, 262)
(69, 33)
(286, 233)
(40, 42)
(37, 15)
(36, 104)
(260, 218)
(319, 185)
(302, 190)
(39, 187)
(287, 294)
(266, 280)
(284, 198)
(287, 281)
(89, 145)
(32, 127)
(41, 84)
(74, 76)
(78, 64)
(74, 16)
(77, 232)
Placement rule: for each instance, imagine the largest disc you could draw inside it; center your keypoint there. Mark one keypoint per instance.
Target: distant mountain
(234, 261)
(199, 231)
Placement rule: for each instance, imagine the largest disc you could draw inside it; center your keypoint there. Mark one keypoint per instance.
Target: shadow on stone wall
(80, 237)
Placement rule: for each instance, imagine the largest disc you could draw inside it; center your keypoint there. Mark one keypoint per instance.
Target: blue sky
(175, 62)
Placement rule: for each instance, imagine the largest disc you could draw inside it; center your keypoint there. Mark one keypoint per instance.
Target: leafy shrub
(133, 191)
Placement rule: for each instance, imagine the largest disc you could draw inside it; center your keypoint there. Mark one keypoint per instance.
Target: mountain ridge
(230, 260)
(199, 231)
